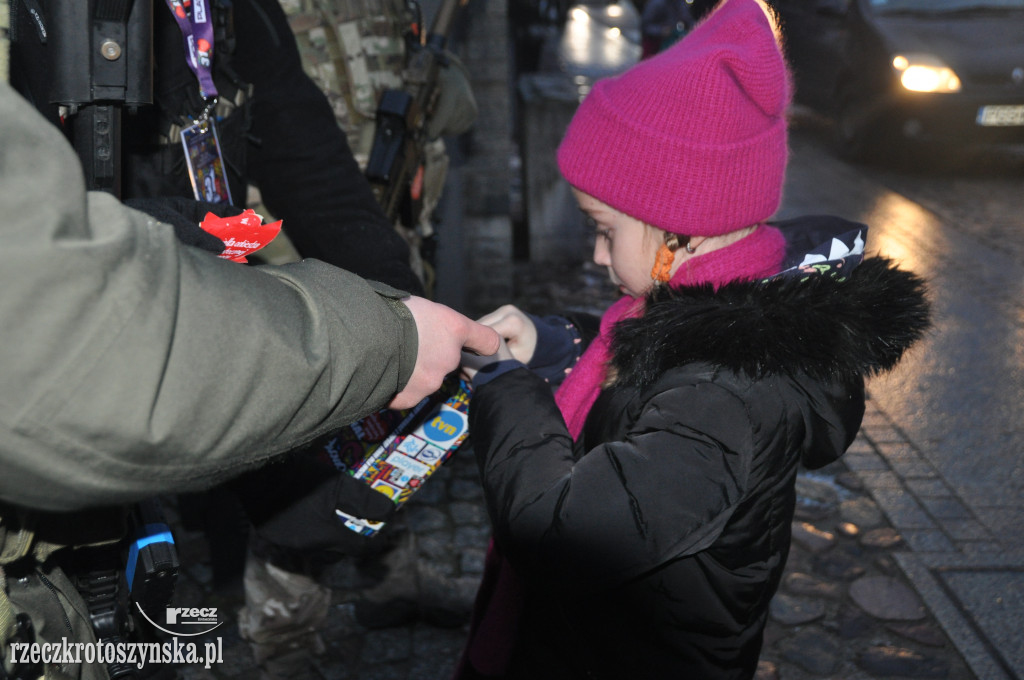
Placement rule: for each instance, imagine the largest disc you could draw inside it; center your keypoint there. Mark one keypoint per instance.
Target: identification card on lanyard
(202, 148)
(205, 162)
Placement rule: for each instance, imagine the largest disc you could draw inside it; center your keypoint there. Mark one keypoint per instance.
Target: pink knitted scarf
(757, 255)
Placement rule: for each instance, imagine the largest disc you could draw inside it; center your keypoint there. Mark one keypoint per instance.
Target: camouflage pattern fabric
(353, 50)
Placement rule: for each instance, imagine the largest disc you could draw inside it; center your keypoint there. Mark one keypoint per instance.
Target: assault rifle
(395, 166)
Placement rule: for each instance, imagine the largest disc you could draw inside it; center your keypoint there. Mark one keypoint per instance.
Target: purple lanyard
(195, 22)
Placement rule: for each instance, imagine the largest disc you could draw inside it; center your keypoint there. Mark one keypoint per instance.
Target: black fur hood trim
(820, 326)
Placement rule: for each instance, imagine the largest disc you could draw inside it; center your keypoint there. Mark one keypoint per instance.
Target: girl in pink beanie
(642, 513)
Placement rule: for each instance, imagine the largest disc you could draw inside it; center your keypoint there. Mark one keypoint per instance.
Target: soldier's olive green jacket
(131, 365)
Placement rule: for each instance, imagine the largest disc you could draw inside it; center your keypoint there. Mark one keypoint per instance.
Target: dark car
(934, 72)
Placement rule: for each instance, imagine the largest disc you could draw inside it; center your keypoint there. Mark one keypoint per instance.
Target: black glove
(292, 503)
(185, 214)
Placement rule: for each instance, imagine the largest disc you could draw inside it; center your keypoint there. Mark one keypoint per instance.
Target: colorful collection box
(396, 452)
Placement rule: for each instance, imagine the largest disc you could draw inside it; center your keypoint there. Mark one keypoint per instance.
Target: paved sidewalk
(946, 469)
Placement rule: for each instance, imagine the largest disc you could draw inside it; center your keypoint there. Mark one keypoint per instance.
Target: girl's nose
(601, 254)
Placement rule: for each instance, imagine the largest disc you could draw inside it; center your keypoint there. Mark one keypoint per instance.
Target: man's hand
(443, 333)
(516, 328)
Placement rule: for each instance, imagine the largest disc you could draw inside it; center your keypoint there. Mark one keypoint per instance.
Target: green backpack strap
(8, 624)
(17, 529)
(13, 629)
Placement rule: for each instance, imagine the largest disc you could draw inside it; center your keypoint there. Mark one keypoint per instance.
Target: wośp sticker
(242, 234)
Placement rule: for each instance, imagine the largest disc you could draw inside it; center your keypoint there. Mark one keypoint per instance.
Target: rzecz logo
(203, 617)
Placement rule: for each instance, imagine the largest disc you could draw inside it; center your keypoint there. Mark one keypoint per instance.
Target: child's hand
(516, 328)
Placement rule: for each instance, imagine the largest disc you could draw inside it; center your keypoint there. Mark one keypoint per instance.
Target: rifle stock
(395, 166)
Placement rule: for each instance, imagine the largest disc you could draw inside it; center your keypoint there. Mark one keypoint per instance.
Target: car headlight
(925, 73)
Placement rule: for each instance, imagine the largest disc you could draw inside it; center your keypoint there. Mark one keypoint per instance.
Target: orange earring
(662, 270)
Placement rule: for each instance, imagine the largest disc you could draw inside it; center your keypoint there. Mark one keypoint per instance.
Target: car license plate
(1000, 115)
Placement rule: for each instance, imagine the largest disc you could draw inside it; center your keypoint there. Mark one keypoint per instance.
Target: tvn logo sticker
(445, 426)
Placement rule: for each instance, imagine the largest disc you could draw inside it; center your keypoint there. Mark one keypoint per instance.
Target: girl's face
(624, 244)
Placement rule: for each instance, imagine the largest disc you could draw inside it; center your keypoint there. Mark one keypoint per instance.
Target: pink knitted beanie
(693, 140)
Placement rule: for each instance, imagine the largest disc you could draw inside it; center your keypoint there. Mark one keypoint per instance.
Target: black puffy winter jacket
(652, 545)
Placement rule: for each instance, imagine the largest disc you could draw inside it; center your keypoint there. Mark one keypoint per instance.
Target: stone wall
(475, 250)
(554, 231)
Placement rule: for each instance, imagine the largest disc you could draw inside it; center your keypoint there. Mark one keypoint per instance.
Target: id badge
(205, 162)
